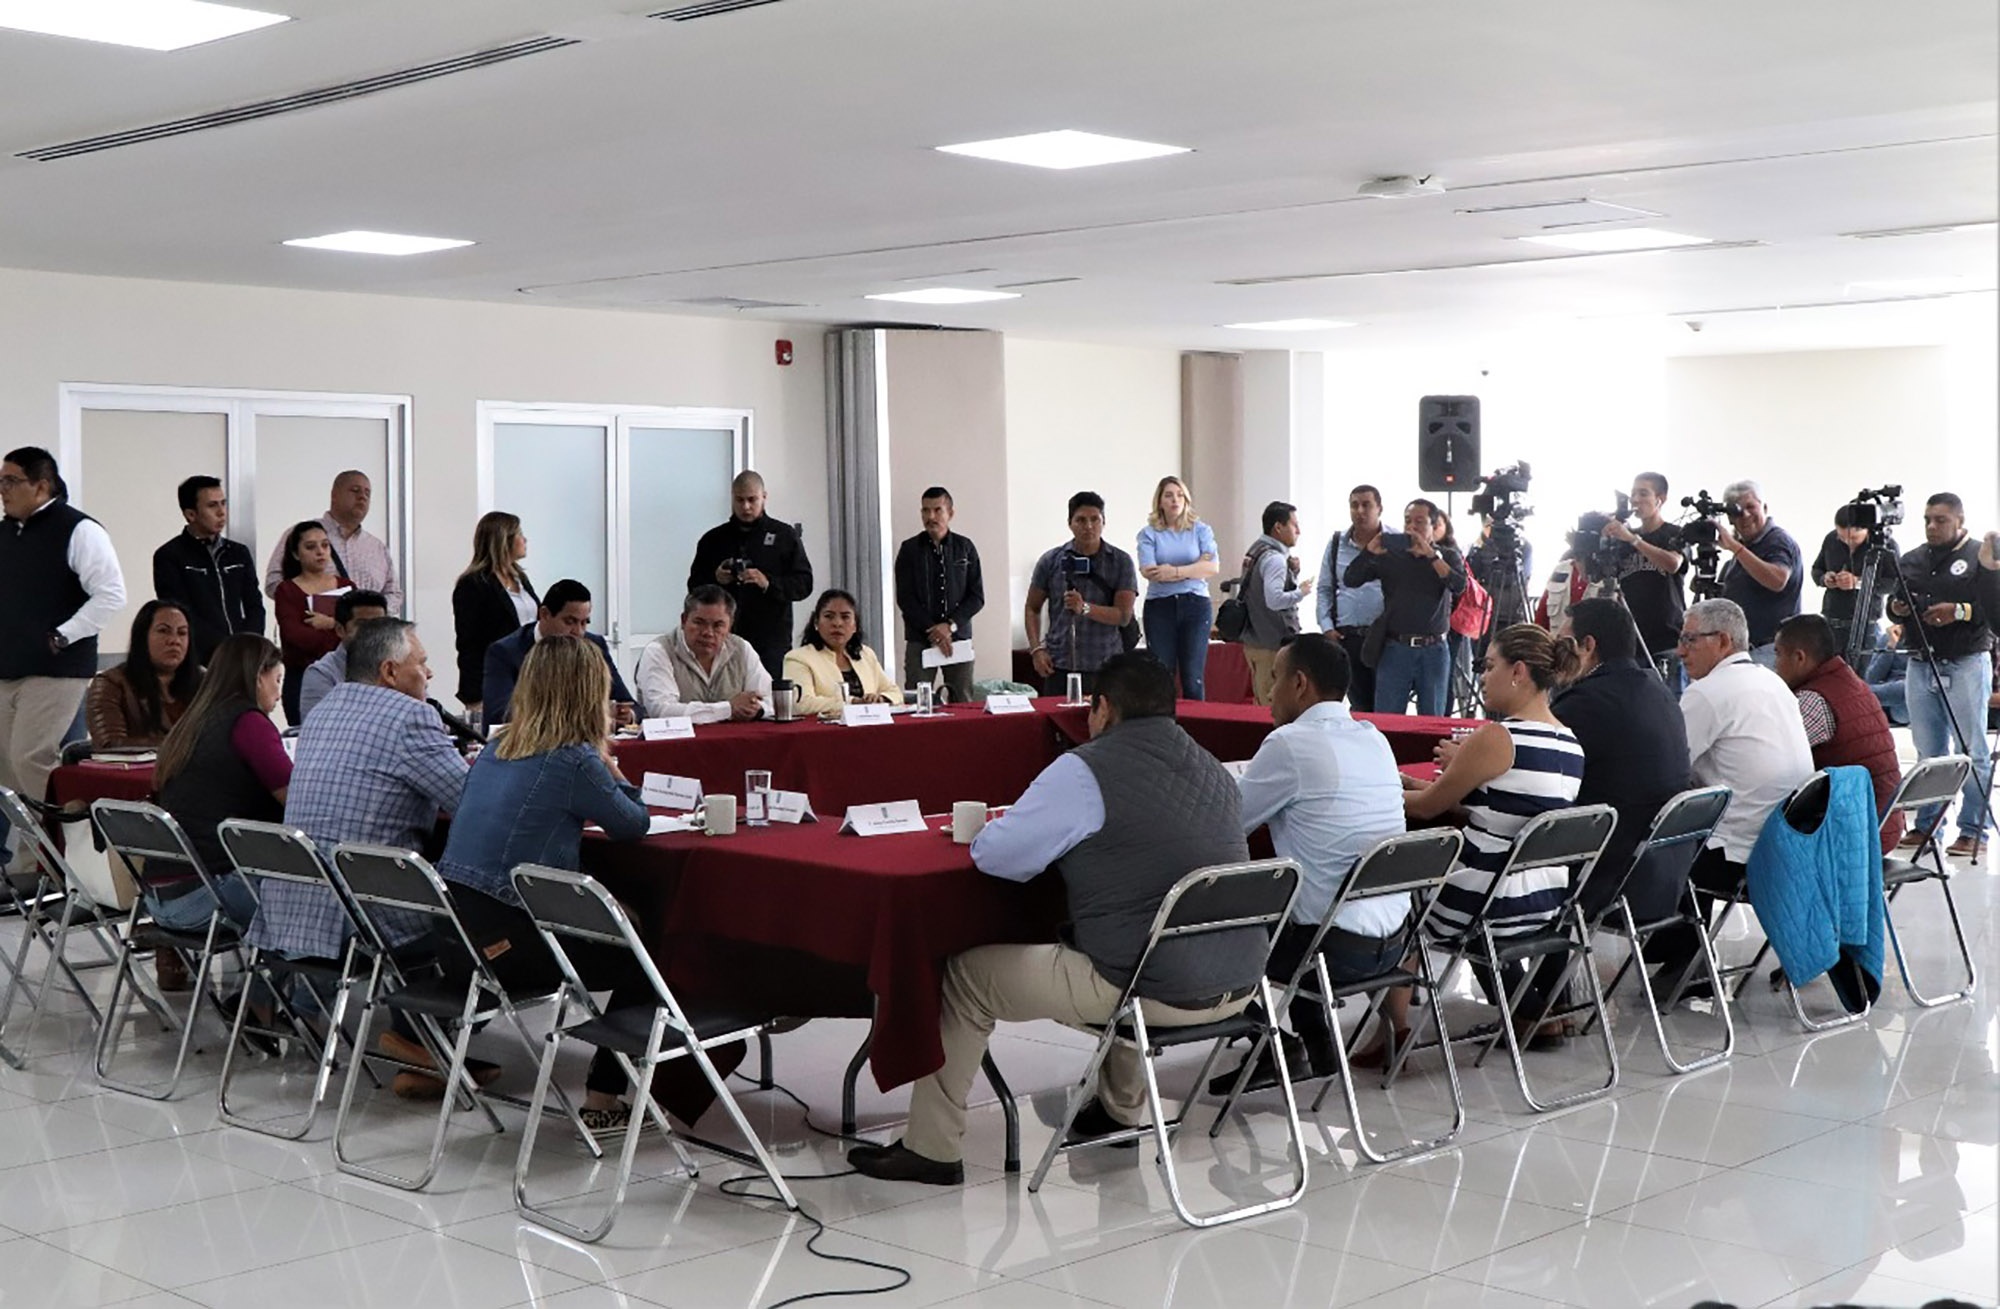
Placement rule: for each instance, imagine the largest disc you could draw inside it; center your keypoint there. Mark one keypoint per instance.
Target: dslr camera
(1503, 499)
(1701, 541)
(1601, 557)
(1875, 511)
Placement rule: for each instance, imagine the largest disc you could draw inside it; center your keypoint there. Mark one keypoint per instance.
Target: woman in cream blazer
(833, 663)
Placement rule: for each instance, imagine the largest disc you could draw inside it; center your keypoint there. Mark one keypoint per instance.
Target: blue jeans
(1765, 656)
(1405, 670)
(1888, 670)
(1968, 681)
(190, 913)
(1177, 628)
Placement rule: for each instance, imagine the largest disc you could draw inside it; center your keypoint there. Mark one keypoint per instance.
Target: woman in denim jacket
(526, 801)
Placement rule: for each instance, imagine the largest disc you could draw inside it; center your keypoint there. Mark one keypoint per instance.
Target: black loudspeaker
(1448, 442)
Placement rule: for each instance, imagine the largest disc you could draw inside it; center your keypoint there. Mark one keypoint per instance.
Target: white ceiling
(782, 153)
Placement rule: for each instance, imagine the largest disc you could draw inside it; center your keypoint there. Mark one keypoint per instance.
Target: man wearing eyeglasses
(1743, 732)
(1764, 575)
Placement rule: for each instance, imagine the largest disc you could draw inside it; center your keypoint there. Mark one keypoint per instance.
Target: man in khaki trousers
(59, 585)
(1124, 817)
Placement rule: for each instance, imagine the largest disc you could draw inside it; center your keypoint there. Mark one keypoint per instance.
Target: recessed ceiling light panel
(147, 24)
(945, 295)
(1290, 325)
(1063, 149)
(378, 243)
(1618, 240)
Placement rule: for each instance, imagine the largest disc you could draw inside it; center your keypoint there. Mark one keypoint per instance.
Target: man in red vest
(1844, 721)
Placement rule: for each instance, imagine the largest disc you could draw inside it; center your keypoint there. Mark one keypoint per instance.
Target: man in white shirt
(701, 670)
(1744, 732)
(364, 557)
(59, 585)
(1328, 788)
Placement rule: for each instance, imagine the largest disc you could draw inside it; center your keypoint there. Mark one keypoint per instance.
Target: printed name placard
(667, 791)
(789, 807)
(1009, 704)
(884, 819)
(866, 715)
(667, 729)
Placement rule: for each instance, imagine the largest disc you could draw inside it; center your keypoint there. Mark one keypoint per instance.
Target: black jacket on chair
(482, 612)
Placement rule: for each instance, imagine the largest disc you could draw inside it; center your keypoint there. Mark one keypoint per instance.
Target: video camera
(1874, 511)
(1601, 557)
(1701, 540)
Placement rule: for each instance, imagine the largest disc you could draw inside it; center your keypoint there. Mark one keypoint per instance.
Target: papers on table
(667, 791)
(126, 757)
(667, 729)
(961, 653)
(866, 715)
(884, 819)
(660, 824)
(1009, 704)
(785, 807)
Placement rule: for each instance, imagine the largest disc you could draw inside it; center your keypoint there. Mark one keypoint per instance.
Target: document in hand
(961, 653)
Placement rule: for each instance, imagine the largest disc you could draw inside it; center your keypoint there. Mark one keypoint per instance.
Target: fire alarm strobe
(784, 354)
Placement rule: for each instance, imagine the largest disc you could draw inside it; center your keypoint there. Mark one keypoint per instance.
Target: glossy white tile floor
(1859, 1166)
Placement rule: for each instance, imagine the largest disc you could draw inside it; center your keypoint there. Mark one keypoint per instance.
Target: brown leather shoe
(405, 1051)
(1967, 847)
(1382, 1053)
(171, 971)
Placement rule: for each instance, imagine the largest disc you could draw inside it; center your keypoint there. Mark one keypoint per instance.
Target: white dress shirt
(1744, 732)
(95, 564)
(667, 663)
(1328, 787)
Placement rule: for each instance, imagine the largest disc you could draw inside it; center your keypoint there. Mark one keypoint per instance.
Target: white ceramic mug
(968, 817)
(718, 815)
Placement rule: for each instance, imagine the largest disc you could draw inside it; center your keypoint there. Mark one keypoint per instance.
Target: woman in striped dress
(1523, 764)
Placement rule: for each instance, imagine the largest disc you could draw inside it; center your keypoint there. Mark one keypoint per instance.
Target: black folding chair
(380, 883)
(51, 903)
(1932, 781)
(571, 907)
(1679, 831)
(1572, 839)
(1224, 898)
(158, 855)
(286, 854)
(1413, 866)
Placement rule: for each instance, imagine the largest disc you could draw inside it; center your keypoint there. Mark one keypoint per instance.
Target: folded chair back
(149, 840)
(1222, 898)
(1929, 782)
(1679, 831)
(575, 906)
(1409, 861)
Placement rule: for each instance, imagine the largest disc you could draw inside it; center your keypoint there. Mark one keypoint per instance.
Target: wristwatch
(1086, 608)
(58, 642)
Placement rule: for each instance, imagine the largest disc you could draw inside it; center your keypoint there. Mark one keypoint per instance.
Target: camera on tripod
(1701, 541)
(1602, 558)
(1875, 512)
(1502, 499)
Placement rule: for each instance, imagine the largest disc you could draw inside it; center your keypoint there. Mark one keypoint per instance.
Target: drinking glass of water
(756, 797)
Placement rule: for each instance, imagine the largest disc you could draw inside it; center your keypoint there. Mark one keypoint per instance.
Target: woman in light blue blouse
(1177, 557)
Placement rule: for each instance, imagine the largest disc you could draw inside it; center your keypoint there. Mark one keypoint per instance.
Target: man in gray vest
(1122, 818)
(1272, 590)
(59, 585)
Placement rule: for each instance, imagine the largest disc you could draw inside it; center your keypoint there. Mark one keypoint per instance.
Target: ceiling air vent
(287, 104)
(705, 9)
(738, 302)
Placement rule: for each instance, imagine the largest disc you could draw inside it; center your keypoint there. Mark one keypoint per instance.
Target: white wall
(447, 355)
(1083, 418)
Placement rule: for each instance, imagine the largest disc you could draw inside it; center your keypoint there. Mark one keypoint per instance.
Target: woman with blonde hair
(1177, 556)
(526, 801)
(493, 598)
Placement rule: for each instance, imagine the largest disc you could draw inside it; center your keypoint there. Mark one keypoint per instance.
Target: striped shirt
(1545, 775)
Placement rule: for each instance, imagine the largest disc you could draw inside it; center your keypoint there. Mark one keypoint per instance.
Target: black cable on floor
(742, 1191)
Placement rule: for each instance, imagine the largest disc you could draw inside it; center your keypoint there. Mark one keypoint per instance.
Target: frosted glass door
(554, 476)
(297, 456)
(132, 462)
(676, 487)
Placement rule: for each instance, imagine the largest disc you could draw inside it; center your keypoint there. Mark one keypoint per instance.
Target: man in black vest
(59, 585)
(212, 578)
(762, 564)
(1122, 818)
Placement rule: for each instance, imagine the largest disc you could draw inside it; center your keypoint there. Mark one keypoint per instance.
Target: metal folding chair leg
(642, 1108)
(125, 985)
(1581, 960)
(1845, 1018)
(325, 1051)
(1958, 932)
(1723, 1005)
(1345, 1076)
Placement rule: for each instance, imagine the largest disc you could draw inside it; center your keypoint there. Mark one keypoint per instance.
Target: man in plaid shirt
(376, 767)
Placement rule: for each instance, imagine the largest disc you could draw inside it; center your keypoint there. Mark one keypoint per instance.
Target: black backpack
(1232, 617)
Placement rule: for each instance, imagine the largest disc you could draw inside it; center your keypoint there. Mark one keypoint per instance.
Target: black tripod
(1504, 582)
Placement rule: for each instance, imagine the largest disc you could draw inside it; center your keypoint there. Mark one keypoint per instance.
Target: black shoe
(898, 1163)
(1265, 1076)
(1093, 1121)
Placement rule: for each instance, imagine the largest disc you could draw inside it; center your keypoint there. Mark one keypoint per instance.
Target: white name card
(666, 791)
(884, 819)
(1009, 704)
(667, 729)
(788, 807)
(866, 715)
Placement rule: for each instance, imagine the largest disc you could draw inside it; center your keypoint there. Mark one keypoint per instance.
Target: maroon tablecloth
(1231, 731)
(91, 780)
(1226, 680)
(892, 907)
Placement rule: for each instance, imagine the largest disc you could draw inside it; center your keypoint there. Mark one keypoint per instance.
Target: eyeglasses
(9, 483)
(1689, 638)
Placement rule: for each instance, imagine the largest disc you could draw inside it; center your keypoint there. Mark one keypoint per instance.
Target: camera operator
(1838, 569)
(1090, 588)
(1765, 572)
(1651, 581)
(1951, 595)
(762, 564)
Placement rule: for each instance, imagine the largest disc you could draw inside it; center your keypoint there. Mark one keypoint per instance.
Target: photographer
(1650, 579)
(1089, 588)
(1420, 581)
(762, 564)
(1838, 569)
(1765, 572)
(1951, 592)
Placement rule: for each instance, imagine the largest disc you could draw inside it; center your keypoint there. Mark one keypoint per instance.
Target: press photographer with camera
(762, 563)
(1951, 671)
(1765, 572)
(1650, 576)
(1420, 582)
(1089, 588)
(1838, 567)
